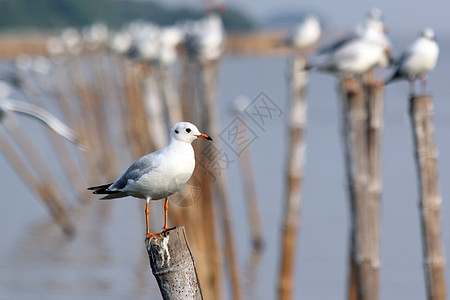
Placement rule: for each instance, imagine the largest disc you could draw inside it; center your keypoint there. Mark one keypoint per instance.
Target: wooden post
(375, 105)
(208, 81)
(356, 154)
(173, 266)
(421, 111)
(294, 177)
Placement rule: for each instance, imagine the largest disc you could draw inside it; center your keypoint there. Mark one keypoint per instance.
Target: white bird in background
(71, 39)
(359, 52)
(159, 174)
(418, 60)
(205, 38)
(170, 38)
(95, 35)
(145, 42)
(306, 34)
(353, 58)
(8, 106)
(375, 30)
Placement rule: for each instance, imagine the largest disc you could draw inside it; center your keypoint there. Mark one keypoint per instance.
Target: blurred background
(76, 60)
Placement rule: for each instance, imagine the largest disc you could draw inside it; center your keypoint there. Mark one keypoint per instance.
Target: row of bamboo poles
(362, 127)
(111, 102)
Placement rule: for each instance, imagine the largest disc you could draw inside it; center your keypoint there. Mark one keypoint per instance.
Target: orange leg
(146, 222)
(166, 211)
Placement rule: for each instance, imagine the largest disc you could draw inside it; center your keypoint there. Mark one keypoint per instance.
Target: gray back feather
(140, 167)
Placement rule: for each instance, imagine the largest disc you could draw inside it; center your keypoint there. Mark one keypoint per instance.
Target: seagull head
(428, 33)
(187, 132)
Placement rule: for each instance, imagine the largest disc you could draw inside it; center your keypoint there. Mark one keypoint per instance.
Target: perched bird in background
(159, 174)
(205, 38)
(418, 60)
(306, 34)
(372, 33)
(353, 58)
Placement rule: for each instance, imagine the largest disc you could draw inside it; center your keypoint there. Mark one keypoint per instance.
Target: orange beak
(204, 136)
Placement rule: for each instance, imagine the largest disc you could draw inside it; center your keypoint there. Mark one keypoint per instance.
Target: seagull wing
(333, 47)
(140, 167)
(45, 117)
(398, 73)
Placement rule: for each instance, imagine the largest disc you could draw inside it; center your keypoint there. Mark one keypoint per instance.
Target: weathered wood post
(375, 110)
(207, 86)
(421, 111)
(357, 168)
(294, 177)
(173, 265)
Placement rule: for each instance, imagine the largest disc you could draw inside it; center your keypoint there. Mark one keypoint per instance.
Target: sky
(401, 16)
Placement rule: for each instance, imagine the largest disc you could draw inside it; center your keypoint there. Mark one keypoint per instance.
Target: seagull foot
(375, 83)
(150, 235)
(165, 229)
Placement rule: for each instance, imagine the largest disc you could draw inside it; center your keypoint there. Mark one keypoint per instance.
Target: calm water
(107, 258)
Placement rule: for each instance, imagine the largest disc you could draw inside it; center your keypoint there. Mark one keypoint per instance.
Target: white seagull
(354, 57)
(418, 60)
(373, 31)
(205, 38)
(159, 174)
(306, 34)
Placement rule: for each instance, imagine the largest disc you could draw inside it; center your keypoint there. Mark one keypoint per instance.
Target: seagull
(418, 60)
(159, 174)
(306, 34)
(372, 31)
(205, 38)
(354, 57)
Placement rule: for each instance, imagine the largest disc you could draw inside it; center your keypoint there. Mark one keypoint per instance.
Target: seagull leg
(166, 211)
(424, 85)
(412, 91)
(149, 235)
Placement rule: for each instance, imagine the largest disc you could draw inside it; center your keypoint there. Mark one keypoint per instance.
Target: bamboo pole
(356, 154)
(375, 104)
(421, 110)
(253, 212)
(42, 189)
(173, 265)
(208, 80)
(294, 177)
(71, 169)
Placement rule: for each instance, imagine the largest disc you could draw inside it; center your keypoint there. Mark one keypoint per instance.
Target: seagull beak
(204, 136)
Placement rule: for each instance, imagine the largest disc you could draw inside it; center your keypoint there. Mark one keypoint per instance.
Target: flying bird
(418, 60)
(159, 174)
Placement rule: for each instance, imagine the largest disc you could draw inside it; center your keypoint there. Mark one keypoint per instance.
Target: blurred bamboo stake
(254, 217)
(357, 168)
(294, 177)
(42, 189)
(375, 104)
(173, 266)
(421, 110)
(71, 169)
(208, 80)
(172, 107)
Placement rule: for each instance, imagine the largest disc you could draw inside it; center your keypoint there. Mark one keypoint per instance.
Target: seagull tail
(391, 78)
(102, 189)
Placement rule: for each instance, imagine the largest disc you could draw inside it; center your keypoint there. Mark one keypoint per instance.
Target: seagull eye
(176, 131)
(188, 130)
